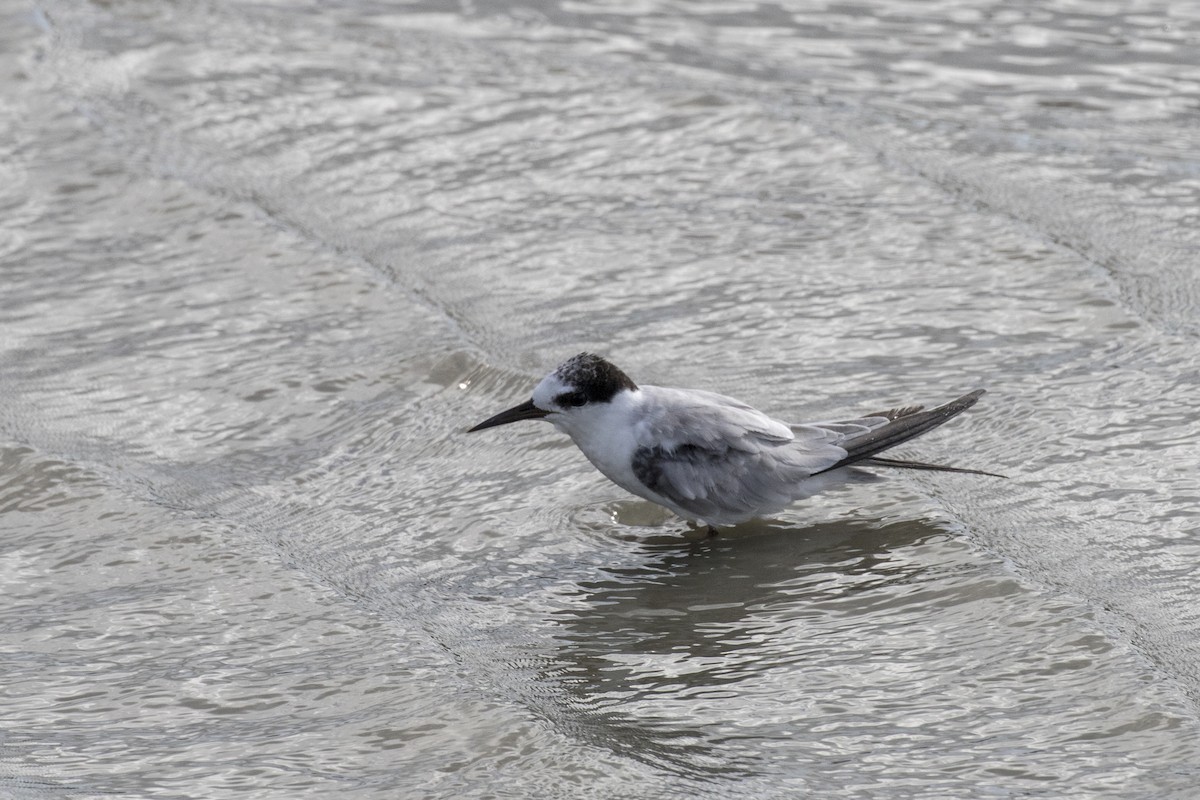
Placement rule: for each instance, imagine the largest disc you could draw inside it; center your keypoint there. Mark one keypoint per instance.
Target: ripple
(273, 263)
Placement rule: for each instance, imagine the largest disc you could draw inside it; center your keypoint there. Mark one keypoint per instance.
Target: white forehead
(550, 388)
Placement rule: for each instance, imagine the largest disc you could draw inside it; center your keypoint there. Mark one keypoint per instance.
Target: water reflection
(703, 601)
(695, 618)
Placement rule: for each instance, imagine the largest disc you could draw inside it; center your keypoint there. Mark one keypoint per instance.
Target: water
(264, 263)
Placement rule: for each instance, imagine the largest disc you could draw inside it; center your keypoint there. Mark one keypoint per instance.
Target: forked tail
(905, 424)
(896, 463)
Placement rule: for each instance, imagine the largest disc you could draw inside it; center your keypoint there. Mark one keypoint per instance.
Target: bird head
(572, 394)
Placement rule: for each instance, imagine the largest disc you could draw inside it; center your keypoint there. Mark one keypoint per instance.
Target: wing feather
(719, 459)
(900, 425)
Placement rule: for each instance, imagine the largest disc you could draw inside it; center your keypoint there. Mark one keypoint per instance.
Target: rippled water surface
(264, 263)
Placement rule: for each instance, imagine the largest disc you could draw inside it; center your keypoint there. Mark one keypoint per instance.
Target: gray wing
(890, 428)
(720, 460)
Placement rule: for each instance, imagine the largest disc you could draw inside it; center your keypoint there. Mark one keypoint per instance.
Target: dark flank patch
(593, 377)
(647, 466)
(648, 463)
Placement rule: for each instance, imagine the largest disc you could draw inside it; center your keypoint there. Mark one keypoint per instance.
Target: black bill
(526, 410)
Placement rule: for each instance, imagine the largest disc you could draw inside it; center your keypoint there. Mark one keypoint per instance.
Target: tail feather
(896, 463)
(904, 424)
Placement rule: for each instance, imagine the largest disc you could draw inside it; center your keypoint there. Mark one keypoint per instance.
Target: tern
(709, 458)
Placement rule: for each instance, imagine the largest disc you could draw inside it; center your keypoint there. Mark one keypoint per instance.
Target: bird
(711, 459)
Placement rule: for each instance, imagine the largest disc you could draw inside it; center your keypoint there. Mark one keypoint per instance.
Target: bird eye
(572, 399)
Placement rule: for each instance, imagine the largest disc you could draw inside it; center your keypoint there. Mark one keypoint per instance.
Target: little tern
(709, 458)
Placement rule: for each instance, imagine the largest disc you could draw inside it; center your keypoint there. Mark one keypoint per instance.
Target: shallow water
(264, 263)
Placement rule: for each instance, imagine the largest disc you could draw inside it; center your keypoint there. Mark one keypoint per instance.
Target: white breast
(607, 435)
